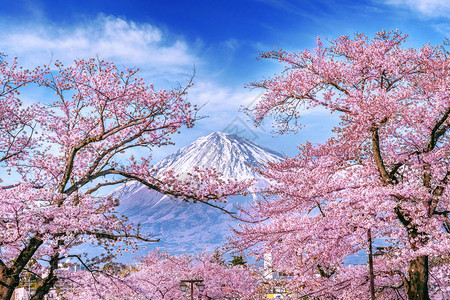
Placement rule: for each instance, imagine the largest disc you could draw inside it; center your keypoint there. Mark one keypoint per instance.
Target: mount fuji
(188, 227)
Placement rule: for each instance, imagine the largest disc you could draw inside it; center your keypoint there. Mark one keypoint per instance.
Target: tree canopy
(385, 169)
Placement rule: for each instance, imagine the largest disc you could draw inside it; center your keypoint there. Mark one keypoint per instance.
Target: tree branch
(377, 156)
(437, 131)
(115, 237)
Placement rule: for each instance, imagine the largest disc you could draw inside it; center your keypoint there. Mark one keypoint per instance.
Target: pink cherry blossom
(158, 276)
(386, 169)
(65, 152)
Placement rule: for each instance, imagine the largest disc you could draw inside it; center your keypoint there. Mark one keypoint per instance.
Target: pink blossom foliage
(158, 276)
(386, 168)
(16, 123)
(66, 151)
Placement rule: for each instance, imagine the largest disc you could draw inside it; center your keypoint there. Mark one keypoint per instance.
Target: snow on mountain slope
(188, 227)
(228, 153)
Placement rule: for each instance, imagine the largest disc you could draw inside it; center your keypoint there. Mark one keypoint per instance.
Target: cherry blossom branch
(115, 237)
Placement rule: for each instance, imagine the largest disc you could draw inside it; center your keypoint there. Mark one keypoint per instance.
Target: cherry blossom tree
(65, 151)
(385, 170)
(158, 276)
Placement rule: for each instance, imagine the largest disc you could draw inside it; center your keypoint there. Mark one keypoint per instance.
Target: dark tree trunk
(44, 289)
(7, 286)
(418, 279)
(48, 282)
(9, 277)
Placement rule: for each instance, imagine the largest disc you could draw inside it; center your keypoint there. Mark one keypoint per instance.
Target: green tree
(238, 261)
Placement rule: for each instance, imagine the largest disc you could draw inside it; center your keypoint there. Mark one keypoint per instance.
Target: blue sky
(166, 39)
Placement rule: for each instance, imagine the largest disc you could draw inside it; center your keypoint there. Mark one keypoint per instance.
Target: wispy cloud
(428, 8)
(162, 56)
(218, 99)
(289, 7)
(113, 38)
(442, 28)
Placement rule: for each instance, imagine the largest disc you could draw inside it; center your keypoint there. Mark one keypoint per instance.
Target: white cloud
(220, 103)
(163, 58)
(112, 38)
(428, 8)
(222, 96)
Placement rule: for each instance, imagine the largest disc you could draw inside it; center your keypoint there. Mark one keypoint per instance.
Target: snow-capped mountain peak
(230, 154)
